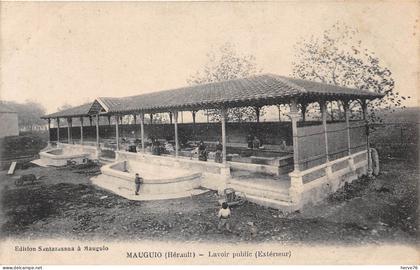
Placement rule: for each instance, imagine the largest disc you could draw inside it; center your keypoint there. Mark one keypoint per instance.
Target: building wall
(9, 124)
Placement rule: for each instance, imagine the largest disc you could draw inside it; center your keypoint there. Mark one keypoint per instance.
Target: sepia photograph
(269, 132)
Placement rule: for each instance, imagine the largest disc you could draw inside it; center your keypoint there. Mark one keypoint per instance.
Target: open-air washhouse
(301, 162)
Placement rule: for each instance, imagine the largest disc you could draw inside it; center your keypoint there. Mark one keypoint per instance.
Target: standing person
(202, 151)
(250, 140)
(224, 216)
(256, 143)
(218, 157)
(138, 181)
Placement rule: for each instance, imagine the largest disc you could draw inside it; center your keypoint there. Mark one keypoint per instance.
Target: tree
(65, 106)
(29, 114)
(224, 64)
(338, 57)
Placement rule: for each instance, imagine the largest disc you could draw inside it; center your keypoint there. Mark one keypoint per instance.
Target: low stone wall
(183, 163)
(214, 175)
(60, 156)
(255, 168)
(324, 183)
(177, 184)
(93, 152)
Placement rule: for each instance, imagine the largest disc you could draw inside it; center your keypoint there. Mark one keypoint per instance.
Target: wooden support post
(257, 113)
(365, 117)
(193, 116)
(279, 110)
(323, 107)
(81, 130)
(69, 130)
(294, 117)
(135, 122)
(170, 118)
(346, 107)
(49, 131)
(109, 120)
(182, 117)
(117, 133)
(97, 131)
(142, 131)
(58, 130)
(90, 120)
(347, 118)
(223, 119)
(364, 109)
(176, 133)
(151, 118)
(296, 182)
(304, 106)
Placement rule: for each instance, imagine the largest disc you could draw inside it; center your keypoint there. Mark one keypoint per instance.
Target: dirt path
(65, 205)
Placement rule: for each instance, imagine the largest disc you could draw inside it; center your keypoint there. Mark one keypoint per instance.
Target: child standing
(224, 216)
(138, 180)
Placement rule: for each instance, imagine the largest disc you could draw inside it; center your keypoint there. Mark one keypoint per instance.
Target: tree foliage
(338, 57)
(65, 106)
(225, 63)
(29, 114)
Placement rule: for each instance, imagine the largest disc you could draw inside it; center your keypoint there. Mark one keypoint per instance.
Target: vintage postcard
(269, 132)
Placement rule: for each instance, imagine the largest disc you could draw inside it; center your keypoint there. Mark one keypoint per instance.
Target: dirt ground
(65, 205)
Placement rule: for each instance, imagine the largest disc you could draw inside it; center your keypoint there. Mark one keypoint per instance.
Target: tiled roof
(266, 89)
(77, 111)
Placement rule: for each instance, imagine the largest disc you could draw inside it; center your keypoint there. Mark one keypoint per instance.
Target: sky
(60, 53)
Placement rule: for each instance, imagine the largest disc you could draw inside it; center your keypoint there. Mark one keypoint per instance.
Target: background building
(9, 121)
